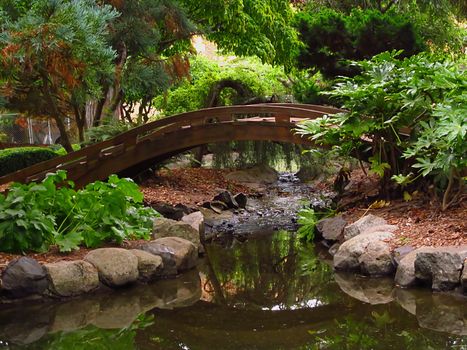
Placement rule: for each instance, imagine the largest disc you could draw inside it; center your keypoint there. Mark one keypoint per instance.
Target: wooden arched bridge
(137, 149)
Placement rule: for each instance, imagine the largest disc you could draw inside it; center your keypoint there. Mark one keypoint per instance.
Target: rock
(405, 274)
(150, 266)
(116, 266)
(347, 257)
(227, 198)
(331, 229)
(171, 228)
(442, 267)
(23, 277)
(380, 228)
(257, 174)
(369, 290)
(334, 248)
(177, 254)
(362, 224)
(241, 200)
(195, 220)
(464, 277)
(377, 259)
(171, 212)
(400, 252)
(70, 278)
(218, 206)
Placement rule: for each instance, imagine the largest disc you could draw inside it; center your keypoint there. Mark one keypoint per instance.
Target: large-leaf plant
(409, 113)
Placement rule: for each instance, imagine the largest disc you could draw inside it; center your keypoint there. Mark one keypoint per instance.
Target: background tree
(53, 53)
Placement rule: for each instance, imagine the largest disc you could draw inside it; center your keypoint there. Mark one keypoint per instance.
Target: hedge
(13, 159)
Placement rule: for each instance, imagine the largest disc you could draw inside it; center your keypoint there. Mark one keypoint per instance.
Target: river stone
(361, 225)
(195, 220)
(331, 229)
(23, 277)
(150, 266)
(70, 278)
(401, 252)
(171, 228)
(377, 259)
(442, 267)
(348, 254)
(116, 266)
(227, 198)
(257, 174)
(405, 274)
(241, 200)
(334, 248)
(464, 277)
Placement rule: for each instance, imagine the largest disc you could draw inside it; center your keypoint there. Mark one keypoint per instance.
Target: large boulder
(177, 254)
(70, 278)
(361, 225)
(23, 277)
(377, 259)
(195, 220)
(257, 174)
(331, 229)
(116, 266)
(441, 266)
(150, 266)
(405, 274)
(347, 257)
(171, 228)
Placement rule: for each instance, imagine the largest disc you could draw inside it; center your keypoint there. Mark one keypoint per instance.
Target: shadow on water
(270, 292)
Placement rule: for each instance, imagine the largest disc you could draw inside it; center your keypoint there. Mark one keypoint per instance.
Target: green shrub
(37, 215)
(14, 159)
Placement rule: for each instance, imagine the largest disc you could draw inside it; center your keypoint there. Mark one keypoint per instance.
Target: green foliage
(424, 94)
(36, 215)
(191, 94)
(14, 159)
(332, 38)
(307, 220)
(108, 129)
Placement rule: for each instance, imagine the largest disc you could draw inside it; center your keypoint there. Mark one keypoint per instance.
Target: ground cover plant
(36, 215)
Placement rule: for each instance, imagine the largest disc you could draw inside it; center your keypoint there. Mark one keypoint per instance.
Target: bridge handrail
(281, 112)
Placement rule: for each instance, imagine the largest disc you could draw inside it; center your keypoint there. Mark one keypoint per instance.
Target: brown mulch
(190, 186)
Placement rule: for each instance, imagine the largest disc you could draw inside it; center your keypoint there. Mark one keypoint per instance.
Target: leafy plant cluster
(36, 215)
(332, 38)
(14, 159)
(409, 115)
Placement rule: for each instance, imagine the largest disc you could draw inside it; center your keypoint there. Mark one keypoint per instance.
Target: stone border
(363, 247)
(104, 267)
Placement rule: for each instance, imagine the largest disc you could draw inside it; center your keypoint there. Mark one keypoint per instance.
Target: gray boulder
(171, 228)
(150, 266)
(441, 266)
(405, 274)
(377, 259)
(331, 229)
(177, 254)
(347, 257)
(195, 220)
(23, 277)
(116, 266)
(362, 224)
(401, 252)
(70, 278)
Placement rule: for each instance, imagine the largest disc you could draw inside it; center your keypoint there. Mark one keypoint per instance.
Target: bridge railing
(82, 160)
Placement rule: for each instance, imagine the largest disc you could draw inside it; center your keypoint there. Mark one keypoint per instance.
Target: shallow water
(270, 292)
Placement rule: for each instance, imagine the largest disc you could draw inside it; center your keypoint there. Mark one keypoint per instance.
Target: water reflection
(267, 293)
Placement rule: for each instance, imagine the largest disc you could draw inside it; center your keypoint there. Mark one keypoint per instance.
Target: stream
(256, 288)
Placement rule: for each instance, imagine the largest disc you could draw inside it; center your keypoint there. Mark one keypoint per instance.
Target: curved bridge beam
(144, 145)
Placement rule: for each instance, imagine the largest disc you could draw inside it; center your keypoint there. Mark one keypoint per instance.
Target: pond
(269, 292)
